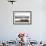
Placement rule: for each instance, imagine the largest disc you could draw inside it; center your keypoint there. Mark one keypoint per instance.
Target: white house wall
(9, 31)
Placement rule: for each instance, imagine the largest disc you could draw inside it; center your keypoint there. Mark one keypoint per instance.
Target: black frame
(23, 11)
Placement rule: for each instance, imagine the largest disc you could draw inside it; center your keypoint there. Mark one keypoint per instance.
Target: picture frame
(22, 17)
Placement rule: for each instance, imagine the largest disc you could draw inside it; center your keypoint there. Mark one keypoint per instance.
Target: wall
(9, 31)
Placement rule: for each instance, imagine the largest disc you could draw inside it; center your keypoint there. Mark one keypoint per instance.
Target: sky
(9, 31)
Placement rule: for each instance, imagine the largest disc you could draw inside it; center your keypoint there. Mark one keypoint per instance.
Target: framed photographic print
(22, 17)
